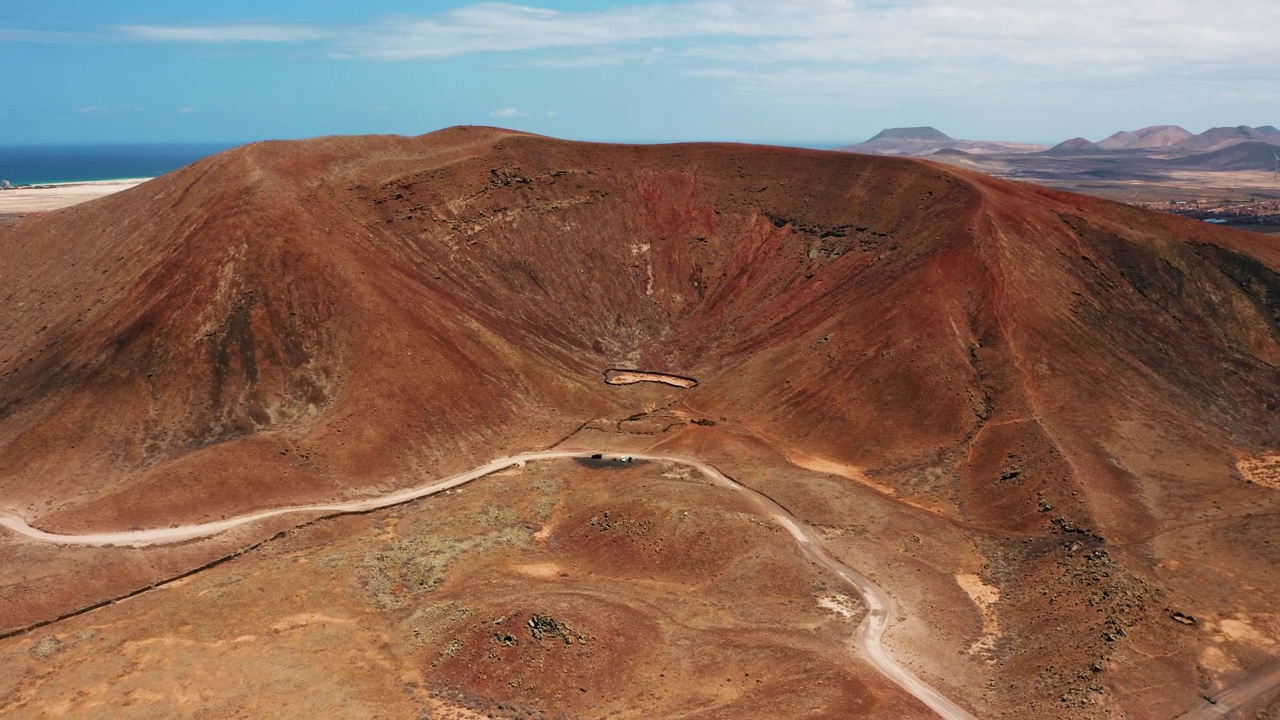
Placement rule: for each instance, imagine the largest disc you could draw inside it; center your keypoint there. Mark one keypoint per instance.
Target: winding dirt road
(1231, 700)
(867, 639)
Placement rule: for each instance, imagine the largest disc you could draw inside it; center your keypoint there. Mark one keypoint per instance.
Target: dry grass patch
(1263, 470)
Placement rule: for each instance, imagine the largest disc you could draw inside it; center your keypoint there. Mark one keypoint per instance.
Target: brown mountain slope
(1248, 155)
(1074, 146)
(1156, 136)
(460, 299)
(1061, 385)
(1219, 138)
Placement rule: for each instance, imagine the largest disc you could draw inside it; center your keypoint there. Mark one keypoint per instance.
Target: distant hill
(927, 140)
(1248, 155)
(921, 141)
(1222, 137)
(1161, 142)
(912, 133)
(1156, 136)
(1074, 146)
(1172, 137)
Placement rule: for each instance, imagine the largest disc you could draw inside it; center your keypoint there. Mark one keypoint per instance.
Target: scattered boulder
(545, 625)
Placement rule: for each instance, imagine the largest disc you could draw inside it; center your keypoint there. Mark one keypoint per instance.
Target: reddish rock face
(295, 322)
(288, 317)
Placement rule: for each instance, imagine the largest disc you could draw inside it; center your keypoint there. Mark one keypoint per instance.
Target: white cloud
(552, 113)
(575, 61)
(507, 113)
(594, 57)
(829, 49)
(188, 111)
(232, 33)
(1038, 40)
(93, 110)
(979, 33)
(494, 27)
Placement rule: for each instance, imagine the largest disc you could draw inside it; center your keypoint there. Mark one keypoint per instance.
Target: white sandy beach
(43, 198)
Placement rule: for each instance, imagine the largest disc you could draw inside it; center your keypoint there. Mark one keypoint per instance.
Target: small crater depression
(631, 377)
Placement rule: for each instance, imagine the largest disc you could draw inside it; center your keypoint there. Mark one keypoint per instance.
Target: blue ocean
(38, 165)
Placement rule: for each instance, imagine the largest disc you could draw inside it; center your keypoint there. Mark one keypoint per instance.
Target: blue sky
(797, 71)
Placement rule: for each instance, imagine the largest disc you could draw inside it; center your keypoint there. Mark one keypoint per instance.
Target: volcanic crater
(1046, 424)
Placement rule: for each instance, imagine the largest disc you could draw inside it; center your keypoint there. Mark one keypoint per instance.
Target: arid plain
(1045, 424)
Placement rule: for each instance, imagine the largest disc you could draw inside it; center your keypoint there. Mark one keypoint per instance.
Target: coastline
(28, 199)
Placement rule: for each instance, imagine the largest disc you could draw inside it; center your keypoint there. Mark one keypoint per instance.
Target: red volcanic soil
(1065, 382)
(490, 603)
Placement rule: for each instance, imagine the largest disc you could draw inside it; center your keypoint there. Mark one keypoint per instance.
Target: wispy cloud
(187, 111)
(93, 110)
(1102, 36)
(988, 34)
(507, 113)
(502, 27)
(808, 46)
(595, 57)
(232, 33)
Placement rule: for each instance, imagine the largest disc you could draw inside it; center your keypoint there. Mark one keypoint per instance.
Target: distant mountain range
(1172, 137)
(921, 141)
(1248, 155)
(1161, 163)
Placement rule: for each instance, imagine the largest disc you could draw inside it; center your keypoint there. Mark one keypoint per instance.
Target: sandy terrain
(653, 595)
(879, 612)
(1125, 177)
(1175, 185)
(43, 198)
